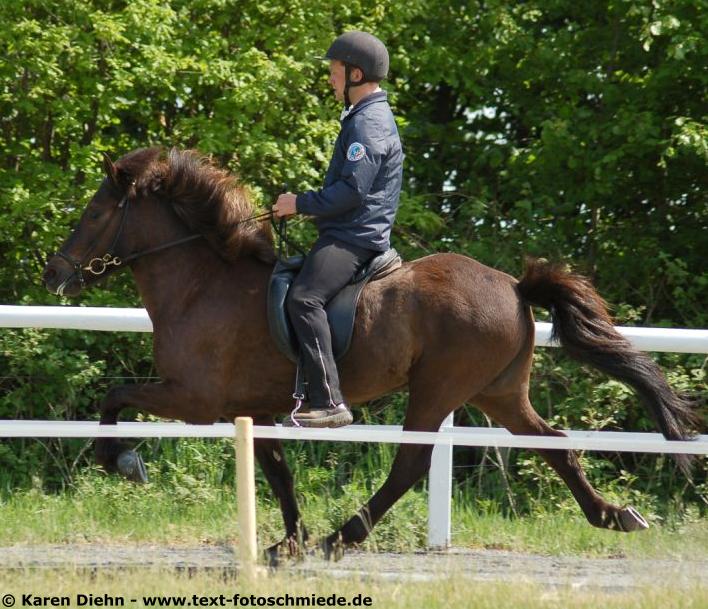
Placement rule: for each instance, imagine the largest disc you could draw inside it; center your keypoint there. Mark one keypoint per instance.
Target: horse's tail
(583, 325)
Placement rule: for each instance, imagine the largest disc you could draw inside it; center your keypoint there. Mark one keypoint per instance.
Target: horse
(446, 327)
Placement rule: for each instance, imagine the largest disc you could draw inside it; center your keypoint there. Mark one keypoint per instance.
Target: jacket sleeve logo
(356, 152)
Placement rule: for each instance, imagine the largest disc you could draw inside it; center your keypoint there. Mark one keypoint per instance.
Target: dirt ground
(607, 574)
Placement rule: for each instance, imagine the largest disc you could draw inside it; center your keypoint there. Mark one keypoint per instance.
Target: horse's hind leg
(426, 411)
(516, 413)
(271, 458)
(412, 461)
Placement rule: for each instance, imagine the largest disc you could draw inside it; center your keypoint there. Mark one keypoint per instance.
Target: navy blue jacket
(359, 199)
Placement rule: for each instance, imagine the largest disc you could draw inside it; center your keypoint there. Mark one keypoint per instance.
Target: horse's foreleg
(159, 399)
(516, 413)
(272, 461)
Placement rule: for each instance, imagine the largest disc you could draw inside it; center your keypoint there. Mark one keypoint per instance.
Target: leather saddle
(341, 310)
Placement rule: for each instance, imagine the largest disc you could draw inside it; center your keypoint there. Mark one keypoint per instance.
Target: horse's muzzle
(59, 279)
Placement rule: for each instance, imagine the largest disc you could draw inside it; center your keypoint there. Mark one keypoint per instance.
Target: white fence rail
(379, 434)
(136, 320)
(440, 482)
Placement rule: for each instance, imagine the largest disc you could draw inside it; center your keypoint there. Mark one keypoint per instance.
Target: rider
(354, 212)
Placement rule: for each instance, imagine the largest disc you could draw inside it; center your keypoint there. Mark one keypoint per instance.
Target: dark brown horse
(448, 328)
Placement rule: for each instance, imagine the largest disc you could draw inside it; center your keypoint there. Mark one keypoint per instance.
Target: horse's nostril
(49, 274)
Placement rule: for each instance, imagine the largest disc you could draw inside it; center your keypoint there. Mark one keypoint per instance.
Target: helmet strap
(349, 83)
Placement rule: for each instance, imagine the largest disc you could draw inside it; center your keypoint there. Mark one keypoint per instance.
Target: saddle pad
(341, 310)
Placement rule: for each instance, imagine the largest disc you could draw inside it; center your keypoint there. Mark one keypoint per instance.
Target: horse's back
(444, 307)
(452, 284)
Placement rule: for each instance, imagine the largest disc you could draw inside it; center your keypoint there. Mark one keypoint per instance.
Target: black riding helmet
(361, 50)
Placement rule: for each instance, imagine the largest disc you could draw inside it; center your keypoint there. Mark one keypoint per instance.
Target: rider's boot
(333, 416)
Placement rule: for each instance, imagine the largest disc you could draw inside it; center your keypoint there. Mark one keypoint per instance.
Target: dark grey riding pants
(328, 267)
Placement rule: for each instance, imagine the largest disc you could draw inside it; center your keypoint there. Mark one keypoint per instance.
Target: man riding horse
(446, 327)
(354, 212)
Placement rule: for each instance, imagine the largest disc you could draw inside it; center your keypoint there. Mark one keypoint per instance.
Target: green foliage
(572, 130)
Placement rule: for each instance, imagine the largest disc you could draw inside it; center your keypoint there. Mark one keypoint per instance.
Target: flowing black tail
(584, 327)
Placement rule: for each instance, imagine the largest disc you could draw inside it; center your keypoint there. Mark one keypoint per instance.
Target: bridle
(99, 265)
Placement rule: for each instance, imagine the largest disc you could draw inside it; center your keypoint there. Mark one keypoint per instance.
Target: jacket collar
(372, 98)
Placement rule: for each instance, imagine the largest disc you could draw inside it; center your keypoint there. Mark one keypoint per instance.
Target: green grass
(449, 593)
(181, 509)
(566, 534)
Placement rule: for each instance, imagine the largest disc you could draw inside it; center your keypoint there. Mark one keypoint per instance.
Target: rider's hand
(285, 206)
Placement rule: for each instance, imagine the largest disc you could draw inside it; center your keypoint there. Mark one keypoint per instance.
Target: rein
(281, 229)
(98, 265)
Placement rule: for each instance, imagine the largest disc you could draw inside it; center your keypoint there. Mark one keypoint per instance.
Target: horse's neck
(173, 279)
(169, 282)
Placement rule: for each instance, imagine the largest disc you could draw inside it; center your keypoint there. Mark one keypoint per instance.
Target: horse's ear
(111, 170)
(119, 177)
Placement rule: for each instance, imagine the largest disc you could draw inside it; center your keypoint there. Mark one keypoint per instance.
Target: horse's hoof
(333, 550)
(271, 556)
(287, 549)
(131, 466)
(628, 520)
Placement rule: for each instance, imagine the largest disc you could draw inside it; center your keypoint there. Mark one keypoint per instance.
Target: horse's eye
(95, 215)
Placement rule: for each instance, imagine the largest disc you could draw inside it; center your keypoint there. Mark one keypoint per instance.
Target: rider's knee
(300, 301)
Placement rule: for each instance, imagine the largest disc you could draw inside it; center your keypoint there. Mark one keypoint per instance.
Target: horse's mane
(205, 197)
